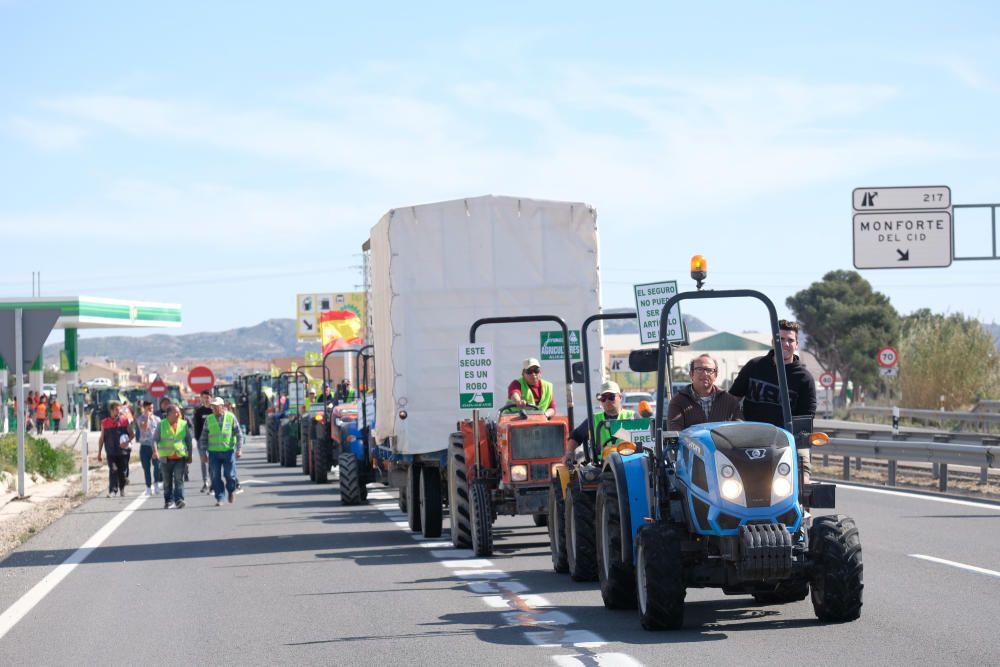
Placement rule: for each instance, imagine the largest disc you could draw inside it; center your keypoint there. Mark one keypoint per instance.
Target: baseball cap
(529, 363)
(610, 387)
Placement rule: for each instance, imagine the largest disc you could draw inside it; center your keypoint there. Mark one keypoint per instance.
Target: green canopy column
(68, 364)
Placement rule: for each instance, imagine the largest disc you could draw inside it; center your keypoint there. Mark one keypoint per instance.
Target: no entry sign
(201, 378)
(158, 388)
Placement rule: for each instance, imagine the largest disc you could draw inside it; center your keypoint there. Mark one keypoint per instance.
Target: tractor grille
(727, 521)
(540, 471)
(700, 512)
(538, 441)
(698, 476)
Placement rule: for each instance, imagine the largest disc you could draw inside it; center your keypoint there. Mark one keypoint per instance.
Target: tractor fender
(631, 478)
(562, 471)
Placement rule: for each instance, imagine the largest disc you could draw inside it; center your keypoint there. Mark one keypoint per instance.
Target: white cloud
(48, 136)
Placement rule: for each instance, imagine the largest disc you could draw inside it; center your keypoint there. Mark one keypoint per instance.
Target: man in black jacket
(200, 413)
(757, 385)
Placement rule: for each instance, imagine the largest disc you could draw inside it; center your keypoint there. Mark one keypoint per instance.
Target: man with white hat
(610, 398)
(220, 444)
(531, 389)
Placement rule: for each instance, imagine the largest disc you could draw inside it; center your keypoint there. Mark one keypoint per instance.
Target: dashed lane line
(961, 566)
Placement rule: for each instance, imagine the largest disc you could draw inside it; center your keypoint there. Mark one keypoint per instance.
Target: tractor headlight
(731, 489)
(781, 488)
(518, 473)
(730, 484)
(782, 484)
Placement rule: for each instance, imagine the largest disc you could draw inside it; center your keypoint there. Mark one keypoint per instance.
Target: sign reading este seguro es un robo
(475, 376)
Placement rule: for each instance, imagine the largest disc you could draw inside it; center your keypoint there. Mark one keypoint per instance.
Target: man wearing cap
(610, 398)
(326, 397)
(531, 389)
(202, 412)
(701, 401)
(220, 444)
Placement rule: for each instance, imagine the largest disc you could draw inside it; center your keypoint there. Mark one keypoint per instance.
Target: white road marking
(20, 609)
(254, 481)
(961, 566)
(950, 501)
(600, 659)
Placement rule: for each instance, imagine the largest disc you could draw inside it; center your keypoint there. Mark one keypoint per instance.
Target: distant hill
(994, 330)
(632, 326)
(267, 340)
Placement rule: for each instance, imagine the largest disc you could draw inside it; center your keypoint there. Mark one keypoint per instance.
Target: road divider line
(961, 566)
(27, 602)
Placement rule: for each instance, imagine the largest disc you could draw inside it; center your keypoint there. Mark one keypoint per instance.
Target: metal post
(847, 468)
(85, 465)
(943, 480)
(19, 392)
(892, 472)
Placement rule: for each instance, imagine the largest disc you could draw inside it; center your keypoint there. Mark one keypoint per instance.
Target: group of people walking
(167, 441)
(38, 410)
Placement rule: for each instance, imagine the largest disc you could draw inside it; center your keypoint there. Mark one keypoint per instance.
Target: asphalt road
(287, 575)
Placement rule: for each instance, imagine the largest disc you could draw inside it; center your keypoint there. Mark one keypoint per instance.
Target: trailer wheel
(430, 501)
(482, 520)
(458, 494)
(581, 548)
(350, 481)
(557, 527)
(540, 519)
(837, 580)
(321, 454)
(615, 570)
(401, 501)
(413, 511)
(659, 572)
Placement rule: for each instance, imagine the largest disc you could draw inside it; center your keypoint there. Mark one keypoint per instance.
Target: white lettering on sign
(649, 301)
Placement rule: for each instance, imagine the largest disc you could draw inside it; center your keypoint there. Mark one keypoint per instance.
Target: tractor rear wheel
(413, 498)
(430, 501)
(350, 480)
(288, 445)
(305, 439)
(581, 548)
(659, 572)
(557, 527)
(482, 520)
(540, 519)
(272, 441)
(321, 454)
(458, 494)
(837, 579)
(615, 569)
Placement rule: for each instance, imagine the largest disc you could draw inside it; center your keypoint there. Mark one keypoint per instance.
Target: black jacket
(757, 385)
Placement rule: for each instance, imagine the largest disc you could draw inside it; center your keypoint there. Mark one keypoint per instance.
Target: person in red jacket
(116, 441)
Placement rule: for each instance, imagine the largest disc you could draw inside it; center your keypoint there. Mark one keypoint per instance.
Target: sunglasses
(607, 397)
(533, 371)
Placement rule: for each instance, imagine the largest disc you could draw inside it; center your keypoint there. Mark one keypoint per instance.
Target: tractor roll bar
(586, 376)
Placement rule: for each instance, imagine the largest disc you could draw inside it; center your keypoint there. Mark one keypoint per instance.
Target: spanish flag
(339, 329)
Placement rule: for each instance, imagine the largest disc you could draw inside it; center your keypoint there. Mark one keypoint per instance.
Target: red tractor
(508, 473)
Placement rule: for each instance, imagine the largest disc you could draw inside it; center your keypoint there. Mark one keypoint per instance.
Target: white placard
(649, 301)
(475, 376)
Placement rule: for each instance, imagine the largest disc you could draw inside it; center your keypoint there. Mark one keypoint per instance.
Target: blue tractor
(721, 505)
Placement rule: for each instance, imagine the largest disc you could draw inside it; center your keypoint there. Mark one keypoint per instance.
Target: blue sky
(229, 155)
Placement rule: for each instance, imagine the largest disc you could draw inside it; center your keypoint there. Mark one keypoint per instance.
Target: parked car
(631, 399)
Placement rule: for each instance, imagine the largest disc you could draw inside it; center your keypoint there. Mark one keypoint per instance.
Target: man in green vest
(220, 444)
(604, 420)
(171, 445)
(531, 389)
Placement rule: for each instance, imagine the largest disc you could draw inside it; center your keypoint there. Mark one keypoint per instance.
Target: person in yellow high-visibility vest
(220, 444)
(171, 445)
(531, 389)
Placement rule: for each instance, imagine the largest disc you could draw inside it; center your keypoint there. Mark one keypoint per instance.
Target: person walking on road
(200, 414)
(115, 441)
(41, 414)
(173, 448)
(220, 444)
(147, 424)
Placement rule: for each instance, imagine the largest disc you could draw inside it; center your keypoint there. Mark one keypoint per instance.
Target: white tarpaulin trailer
(434, 269)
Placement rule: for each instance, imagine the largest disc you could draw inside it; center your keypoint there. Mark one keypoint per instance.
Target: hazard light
(699, 269)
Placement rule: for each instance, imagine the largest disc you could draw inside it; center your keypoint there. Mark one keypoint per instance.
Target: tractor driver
(611, 410)
(531, 389)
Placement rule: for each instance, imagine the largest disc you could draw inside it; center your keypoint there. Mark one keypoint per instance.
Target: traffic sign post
(475, 376)
(827, 380)
(902, 227)
(201, 378)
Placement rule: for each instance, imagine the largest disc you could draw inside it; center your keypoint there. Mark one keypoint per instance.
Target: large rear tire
(350, 480)
(430, 501)
(615, 569)
(413, 511)
(557, 527)
(272, 440)
(581, 548)
(482, 520)
(305, 440)
(659, 573)
(458, 494)
(837, 580)
(540, 519)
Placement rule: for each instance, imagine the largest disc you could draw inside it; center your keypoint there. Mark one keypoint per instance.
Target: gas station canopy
(88, 312)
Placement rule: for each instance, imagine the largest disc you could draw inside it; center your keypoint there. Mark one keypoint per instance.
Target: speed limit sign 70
(888, 357)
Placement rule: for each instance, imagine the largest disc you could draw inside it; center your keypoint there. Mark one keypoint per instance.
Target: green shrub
(39, 457)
